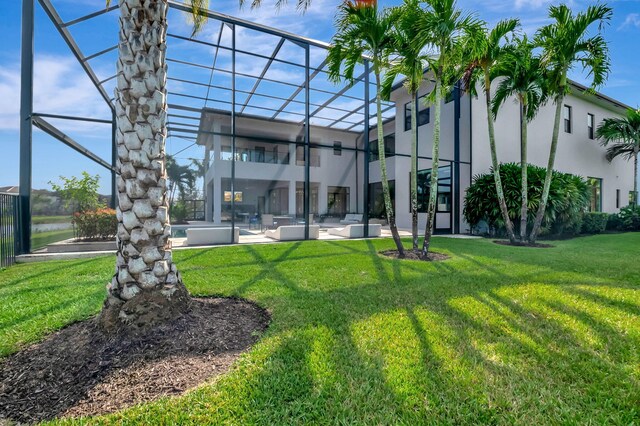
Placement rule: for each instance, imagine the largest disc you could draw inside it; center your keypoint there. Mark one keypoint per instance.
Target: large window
(424, 113)
(376, 199)
(337, 200)
(595, 185)
(590, 121)
(389, 147)
(566, 115)
(443, 204)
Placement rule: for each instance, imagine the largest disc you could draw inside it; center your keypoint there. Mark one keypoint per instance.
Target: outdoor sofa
(356, 231)
(351, 218)
(208, 236)
(292, 232)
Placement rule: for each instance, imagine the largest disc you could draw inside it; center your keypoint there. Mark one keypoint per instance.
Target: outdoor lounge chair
(356, 231)
(293, 232)
(351, 218)
(208, 236)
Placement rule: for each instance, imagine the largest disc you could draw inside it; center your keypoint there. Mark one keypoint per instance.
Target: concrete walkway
(246, 237)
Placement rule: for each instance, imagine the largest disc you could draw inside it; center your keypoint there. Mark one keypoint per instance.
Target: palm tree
(487, 52)
(565, 43)
(409, 62)
(179, 178)
(443, 27)
(146, 287)
(625, 135)
(521, 75)
(364, 31)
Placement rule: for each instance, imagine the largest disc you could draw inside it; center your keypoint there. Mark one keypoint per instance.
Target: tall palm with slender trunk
(621, 136)
(444, 28)
(487, 51)
(566, 43)
(521, 75)
(362, 30)
(408, 61)
(146, 288)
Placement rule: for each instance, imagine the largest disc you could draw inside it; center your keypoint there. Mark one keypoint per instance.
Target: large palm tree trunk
(537, 224)
(494, 162)
(146, 287)
(523, 165)
(433, 189)
(414, 172)
(391, 218)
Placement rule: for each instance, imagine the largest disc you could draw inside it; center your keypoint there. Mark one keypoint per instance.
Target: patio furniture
(208, 236)
(293, 232)
(267, 222)
(356, 231)
(282, 220)
(351, 218)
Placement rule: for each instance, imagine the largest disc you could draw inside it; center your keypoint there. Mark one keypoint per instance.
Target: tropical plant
(410, 62)
(624, 136)
(146, 287)
(181, 178)
(521, 74)
(565, 43)
(488, 50)
(568, 198)
(444, 28)
(98, 224)
(81, 194)
(362, 30)
(630, 219)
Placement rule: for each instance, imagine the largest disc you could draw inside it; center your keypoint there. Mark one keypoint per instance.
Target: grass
(41, 239)
(494, 335)
(38, 220)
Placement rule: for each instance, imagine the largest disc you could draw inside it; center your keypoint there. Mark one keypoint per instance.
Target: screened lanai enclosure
(277, 143)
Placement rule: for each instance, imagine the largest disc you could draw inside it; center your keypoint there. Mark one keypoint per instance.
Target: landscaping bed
(80, 371)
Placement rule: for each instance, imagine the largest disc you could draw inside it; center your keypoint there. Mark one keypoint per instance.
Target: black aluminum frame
(181, 112)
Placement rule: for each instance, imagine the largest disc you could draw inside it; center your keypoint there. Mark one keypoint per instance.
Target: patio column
(26, 131)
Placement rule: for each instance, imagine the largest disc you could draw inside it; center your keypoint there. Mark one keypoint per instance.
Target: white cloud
(60, 87)
(632, 20)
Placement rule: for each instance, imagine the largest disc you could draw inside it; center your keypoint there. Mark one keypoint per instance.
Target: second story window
(590, 121)
(424, 114)
(566, 115)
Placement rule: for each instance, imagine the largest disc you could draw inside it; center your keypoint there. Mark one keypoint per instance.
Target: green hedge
(568, 198)
(100, 224)
(594, 222)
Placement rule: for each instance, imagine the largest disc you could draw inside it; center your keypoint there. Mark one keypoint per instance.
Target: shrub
(95, 224)
(568, 198)
(630, 218)
(178, 213)
(594, 222)
(614, 223)
(80, 193)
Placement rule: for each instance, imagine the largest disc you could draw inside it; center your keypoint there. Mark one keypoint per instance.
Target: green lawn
(41, 239)
(36, 220)
(494, 335)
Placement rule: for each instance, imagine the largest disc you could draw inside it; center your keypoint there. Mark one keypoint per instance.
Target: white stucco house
(267, 173)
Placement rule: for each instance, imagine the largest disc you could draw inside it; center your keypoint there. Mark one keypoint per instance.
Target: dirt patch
(81, 371)
(519, 244)
(412, 255)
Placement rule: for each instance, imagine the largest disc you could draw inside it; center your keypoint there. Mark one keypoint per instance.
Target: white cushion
(293, 232)
(207, 236)
(356, 231)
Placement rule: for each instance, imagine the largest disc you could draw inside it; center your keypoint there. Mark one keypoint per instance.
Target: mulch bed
(519, 244)
(412, 255)
(81, 371)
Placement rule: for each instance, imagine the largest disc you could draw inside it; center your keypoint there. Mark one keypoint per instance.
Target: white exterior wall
(576, 154)
(334, 170)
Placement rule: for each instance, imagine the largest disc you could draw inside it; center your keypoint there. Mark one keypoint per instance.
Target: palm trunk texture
(146, 287)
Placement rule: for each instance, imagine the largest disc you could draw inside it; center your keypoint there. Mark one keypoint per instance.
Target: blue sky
(61, 87)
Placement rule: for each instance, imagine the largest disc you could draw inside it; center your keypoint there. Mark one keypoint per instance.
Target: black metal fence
(9, 229)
